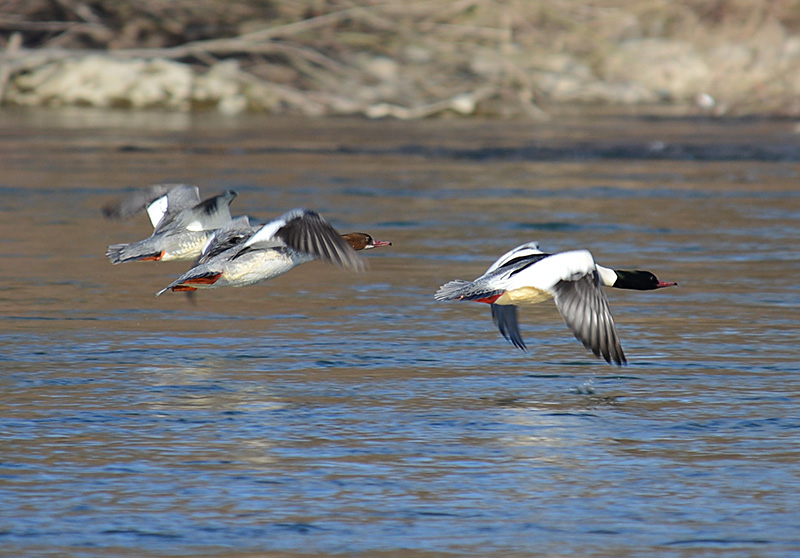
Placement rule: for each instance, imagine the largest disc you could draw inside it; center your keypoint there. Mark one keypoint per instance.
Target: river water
(327, 413)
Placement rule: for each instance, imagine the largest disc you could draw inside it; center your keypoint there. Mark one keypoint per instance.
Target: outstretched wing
(306, 231)
(584, 307)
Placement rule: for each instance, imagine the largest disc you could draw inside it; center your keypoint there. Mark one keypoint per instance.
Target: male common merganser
(182, 223)
(526, 276)
(240, 254)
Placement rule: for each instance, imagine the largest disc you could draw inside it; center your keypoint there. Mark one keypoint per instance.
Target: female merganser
(240, 254)
(526, 276)
(182, 223)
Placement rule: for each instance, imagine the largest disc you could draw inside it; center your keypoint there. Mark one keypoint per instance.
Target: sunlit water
(326, 413)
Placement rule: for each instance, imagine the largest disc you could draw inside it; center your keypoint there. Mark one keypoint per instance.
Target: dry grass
(402, 53)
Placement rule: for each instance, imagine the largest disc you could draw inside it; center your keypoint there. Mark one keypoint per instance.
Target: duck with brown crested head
(182, 223)
(240, 254)
(363, 241)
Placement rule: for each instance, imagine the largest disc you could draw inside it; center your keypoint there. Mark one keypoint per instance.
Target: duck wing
(505, 317)
(523, 252)
(308, 232)
(584, 307)
(158, 199)
(207, 215)
(235, 233)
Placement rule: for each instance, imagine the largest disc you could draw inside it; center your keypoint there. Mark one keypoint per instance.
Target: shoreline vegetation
(405, 60)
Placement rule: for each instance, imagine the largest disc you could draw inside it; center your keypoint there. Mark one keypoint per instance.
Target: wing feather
(180, 198)
(522, 251)
(140, 199)
(505, 317)
(208, 215)
(235, 233)
(308, 232)
(584, 307)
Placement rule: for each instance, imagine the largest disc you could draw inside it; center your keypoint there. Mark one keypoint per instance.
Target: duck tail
(467, 290)
(121, 253)
(114, 253)
(190, 283)
(454, 290)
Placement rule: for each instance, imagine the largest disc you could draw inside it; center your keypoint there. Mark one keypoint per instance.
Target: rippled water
(325, 413)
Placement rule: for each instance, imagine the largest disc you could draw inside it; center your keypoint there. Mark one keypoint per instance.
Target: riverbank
(510, 60)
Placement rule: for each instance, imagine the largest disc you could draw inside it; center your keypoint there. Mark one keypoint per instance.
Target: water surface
(326, 413)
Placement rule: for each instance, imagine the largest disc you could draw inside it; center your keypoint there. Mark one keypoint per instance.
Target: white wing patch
(196, 226)
(157, 210)
(265, 236)
(207, 243)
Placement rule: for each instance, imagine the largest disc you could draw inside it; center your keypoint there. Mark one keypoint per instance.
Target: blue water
(328, 414)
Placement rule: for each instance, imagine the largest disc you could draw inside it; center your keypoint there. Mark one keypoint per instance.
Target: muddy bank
(402, 60)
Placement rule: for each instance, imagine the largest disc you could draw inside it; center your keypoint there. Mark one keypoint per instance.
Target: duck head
(363, 241)
(640, 281)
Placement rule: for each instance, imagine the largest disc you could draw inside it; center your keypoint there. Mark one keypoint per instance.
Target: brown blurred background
(410, 59)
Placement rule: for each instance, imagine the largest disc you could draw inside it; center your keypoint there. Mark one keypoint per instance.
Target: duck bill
(662, 284)
(378, 243)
